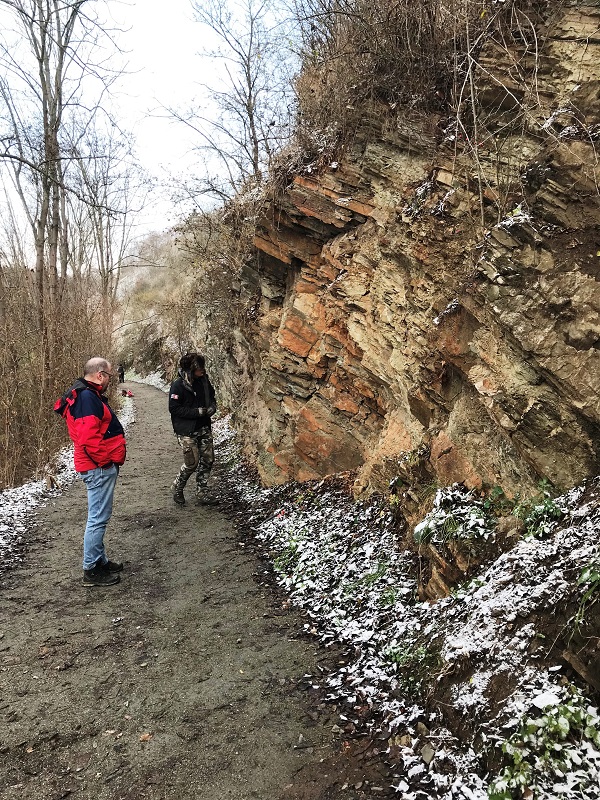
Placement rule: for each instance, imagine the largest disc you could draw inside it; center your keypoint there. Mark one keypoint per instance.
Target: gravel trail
(183, 681)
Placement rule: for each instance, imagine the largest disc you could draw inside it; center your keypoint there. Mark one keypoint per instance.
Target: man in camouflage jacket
(191, 405)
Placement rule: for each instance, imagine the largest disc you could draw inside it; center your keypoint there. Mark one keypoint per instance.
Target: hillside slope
(425, 307)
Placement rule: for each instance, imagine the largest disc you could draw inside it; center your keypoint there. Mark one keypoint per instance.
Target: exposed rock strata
(396, 335)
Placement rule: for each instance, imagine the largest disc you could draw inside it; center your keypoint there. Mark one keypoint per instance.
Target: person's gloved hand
(201, 412)
(211, 410)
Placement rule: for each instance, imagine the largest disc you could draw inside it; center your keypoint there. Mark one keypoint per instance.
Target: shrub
(542, 755)
(541, 512)
(589, 578)
(413, 663)
(456, 514)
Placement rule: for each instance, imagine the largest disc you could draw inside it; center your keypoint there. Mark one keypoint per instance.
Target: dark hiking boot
(177, 489)
(111, 566)
(204, 497)
(98, 576)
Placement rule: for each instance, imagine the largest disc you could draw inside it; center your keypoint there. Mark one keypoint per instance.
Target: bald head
(96, 365)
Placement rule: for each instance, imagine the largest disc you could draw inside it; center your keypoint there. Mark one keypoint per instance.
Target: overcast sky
(162, 42)
(160, 47)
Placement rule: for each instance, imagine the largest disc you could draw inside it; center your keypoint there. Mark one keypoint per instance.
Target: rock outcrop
(427, 308)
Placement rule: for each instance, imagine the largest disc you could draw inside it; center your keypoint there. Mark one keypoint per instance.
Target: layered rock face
(428, 309)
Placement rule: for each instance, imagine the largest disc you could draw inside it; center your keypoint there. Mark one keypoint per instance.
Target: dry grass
(30, 431)
(399, 53)
(472, 65)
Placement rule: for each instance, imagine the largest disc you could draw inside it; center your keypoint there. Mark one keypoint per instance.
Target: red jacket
(93, 426)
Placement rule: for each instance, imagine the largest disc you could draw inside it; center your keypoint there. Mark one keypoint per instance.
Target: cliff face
(428, 307)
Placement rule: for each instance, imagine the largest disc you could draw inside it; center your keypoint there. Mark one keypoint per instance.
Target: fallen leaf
(145, 737)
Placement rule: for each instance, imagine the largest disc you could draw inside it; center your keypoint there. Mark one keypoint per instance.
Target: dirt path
(181, 682)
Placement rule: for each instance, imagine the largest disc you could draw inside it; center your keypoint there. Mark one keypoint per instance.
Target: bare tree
(111, 188)
(73, 179)
(40, 84)
(250, 98)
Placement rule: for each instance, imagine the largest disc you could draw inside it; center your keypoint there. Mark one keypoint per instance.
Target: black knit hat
(191, 361)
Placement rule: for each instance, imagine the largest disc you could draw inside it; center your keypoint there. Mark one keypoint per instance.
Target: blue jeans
(100, 484)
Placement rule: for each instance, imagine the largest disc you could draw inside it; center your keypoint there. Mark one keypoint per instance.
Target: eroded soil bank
(183, 681)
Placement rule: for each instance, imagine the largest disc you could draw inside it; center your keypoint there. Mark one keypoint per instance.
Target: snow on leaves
(341, 562)
(455, 514)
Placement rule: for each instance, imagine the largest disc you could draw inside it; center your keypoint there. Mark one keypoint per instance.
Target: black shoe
(111, 566)
(98, 576)
(178, 494)
(205, 498)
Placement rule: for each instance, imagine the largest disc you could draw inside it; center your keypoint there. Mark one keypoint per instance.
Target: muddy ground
(183, 681)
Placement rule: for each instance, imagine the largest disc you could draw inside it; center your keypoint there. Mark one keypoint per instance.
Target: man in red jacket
(100, 450)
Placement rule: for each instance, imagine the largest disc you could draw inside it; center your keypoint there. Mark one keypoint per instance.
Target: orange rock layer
(399, 338)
